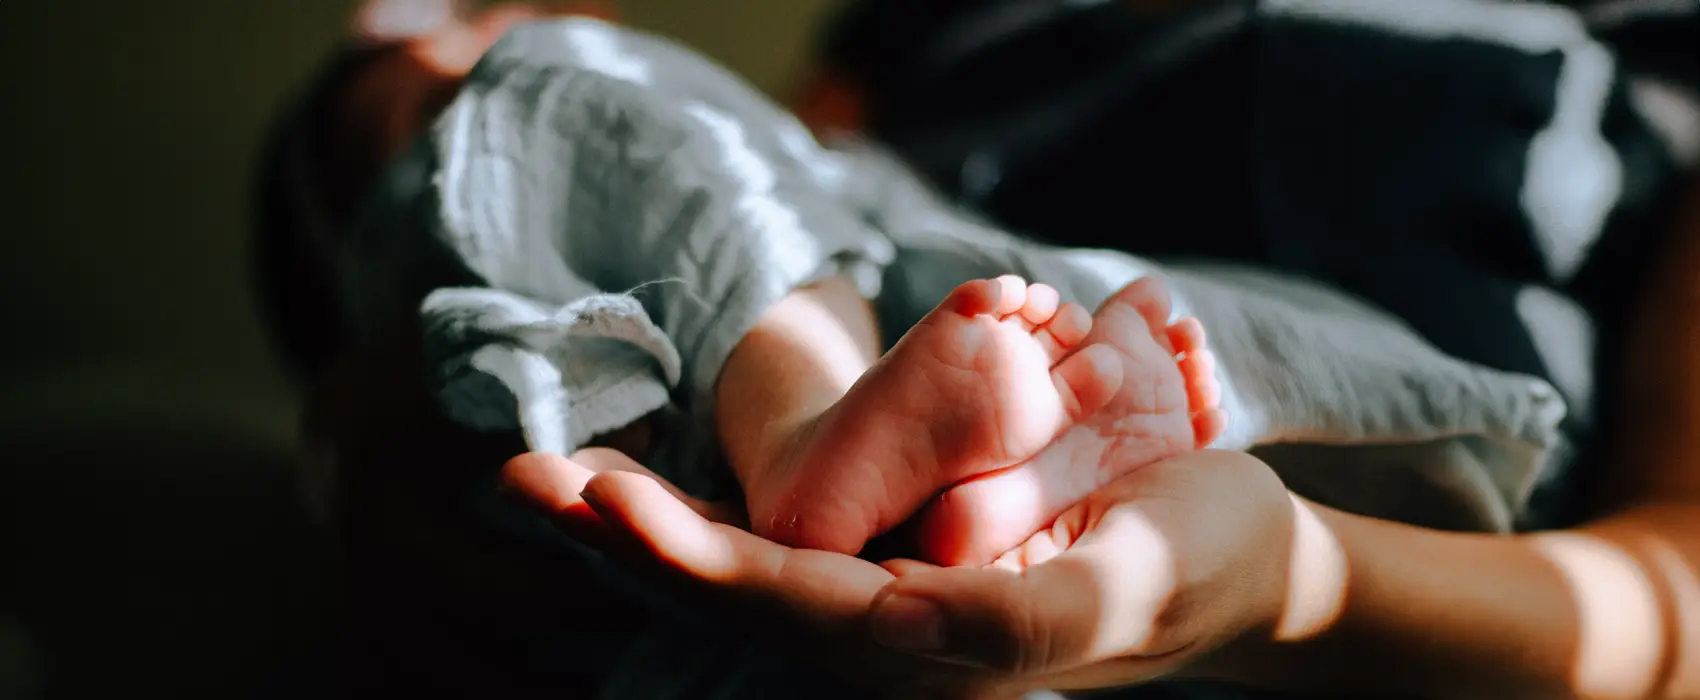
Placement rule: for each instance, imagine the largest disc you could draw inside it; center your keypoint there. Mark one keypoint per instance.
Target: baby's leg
(1167, 405)
(983, 382)
(801, 357)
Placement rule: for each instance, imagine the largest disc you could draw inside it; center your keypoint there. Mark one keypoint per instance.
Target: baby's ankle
(768, 449)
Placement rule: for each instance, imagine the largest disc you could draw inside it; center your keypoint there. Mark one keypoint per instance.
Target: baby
(1009, 401)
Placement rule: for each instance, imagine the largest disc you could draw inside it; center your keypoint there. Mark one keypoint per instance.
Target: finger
(1096, 601)
(815, 590)
(1045, 545)
(601, 460)
(550, 484)
(904, 567)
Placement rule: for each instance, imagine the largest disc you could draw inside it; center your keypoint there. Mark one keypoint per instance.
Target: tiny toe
(1202, 389)
(1049, 344)
(1042, 303)
(1012, 294)
(975, 297)
(1187, 335)
(1020, 321)
(1087, 380)
(1066, 330)
(1070, 324)
(1150, 297)
(1010, 561)
(1208, 425)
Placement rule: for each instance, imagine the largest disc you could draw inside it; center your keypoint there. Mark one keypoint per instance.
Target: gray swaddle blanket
(601, 215)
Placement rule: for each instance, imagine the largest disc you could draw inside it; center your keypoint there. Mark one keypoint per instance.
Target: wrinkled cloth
(600, 216)
(1498, 175)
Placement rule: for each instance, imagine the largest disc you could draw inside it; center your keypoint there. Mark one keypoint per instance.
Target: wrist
(1306, 596)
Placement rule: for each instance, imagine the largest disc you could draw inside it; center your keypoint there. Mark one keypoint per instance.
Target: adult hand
(1140, 580)
(1144, 577)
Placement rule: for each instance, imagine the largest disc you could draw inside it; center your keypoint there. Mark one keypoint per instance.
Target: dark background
(152, 538)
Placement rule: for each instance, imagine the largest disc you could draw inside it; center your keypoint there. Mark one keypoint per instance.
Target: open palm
(1152, 571)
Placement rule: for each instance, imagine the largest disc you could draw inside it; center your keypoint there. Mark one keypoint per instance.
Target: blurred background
(152, 538)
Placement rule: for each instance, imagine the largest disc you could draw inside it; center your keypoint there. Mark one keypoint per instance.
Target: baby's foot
(1165, 406)
(985, 381)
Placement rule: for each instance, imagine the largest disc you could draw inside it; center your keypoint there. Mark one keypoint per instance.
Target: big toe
(1001, 296)
(1141, 307)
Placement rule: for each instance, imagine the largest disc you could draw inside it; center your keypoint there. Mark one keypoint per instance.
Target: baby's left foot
(985, 381)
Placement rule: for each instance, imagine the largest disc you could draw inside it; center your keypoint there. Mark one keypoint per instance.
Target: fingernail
(903, 622)
(591, 500)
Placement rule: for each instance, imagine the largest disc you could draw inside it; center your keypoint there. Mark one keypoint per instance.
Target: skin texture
(999, 397)
(984, 381)
(1204, 566)
(1423, 612)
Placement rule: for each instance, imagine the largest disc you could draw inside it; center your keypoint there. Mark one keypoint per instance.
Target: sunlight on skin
(801, 357)
(1620, 644)
(1684, 637)
(1026, 498)
(1316, 578)
(1126, 617)
(708, 553)
(1147, 565)
(805, 321)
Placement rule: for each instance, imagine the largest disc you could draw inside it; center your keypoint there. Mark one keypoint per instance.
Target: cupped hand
(1146, 576)
(1140, 580)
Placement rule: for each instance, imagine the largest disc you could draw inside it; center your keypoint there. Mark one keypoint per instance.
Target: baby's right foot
(985, 381)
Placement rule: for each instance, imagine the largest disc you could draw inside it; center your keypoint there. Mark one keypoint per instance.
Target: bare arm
(1608, 610)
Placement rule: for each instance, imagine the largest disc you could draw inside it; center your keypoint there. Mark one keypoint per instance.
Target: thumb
(1099, 600)
(985, 618)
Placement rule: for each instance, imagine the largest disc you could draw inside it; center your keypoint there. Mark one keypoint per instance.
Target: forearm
(1611, 610)
(801, 356)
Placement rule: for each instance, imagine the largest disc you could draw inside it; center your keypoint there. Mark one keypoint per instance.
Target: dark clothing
(1497, 174)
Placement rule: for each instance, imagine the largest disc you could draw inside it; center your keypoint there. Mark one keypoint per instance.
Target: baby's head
(408, 58)
(401, 64)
